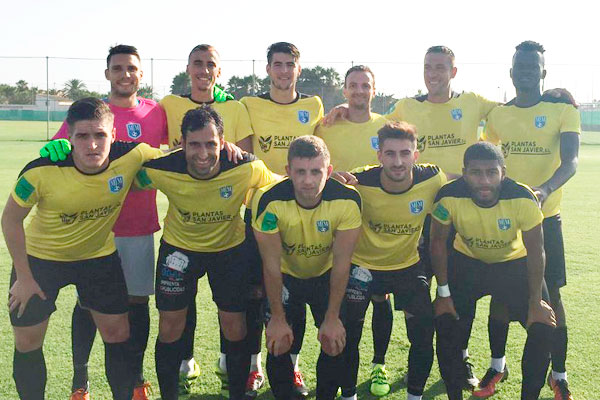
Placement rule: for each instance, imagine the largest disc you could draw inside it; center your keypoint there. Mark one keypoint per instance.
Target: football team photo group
(446, 199)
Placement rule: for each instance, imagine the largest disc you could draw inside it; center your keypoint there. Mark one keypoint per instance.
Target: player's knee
(233, 325)
(25, 343)
(170, 327)
(499, 312)
(114, 332)
(419, 330)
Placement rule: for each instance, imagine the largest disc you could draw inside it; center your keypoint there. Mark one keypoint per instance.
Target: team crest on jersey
(540, 121)
(226, 191)
(265, 143)
(421, 143)
(416, 207)
(134, 130)
(504, 224)
(115, 184)
(456, 114)
(303, 116)
(375, 142)
(322, 225)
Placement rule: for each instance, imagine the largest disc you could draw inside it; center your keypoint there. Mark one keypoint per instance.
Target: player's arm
(539, 310)
(337, 113)
(279, 334)
(25, 285)
(332, 334)
(439, 263)
(569, 157)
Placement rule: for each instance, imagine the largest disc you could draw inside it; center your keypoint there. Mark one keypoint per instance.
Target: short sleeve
(485, 106)
(26, 191)
(570, 120)
(261, 175)
(264, 217)
(489, 133)
(244, 127)
(350, 216)
(143, 179)
(441, 212)
(530, 215)
(148, 152)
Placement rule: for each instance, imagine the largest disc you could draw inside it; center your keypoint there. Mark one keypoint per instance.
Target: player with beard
(306, 228)
(386, 259)
(201, 238)
(139, 120)
(498, 251)
(353, 143)
(277, 118)
(540, 140)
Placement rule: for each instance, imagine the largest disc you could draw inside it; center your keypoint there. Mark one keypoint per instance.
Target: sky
(389, 36)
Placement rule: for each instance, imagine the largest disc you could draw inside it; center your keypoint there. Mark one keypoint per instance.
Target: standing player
(69, 241)
(353, 143)
(498, 251)
(202, 238)
(278, 117)
(203, 68)
(540, 141)
(306, 228)
(139, 120)
(386, 259)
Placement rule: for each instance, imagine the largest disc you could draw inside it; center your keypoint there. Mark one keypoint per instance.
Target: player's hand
(444, 305)
(540, 312)
(332, 336)
(279, 336)
(20, 293)
(57, 149)
(541, 193)
(335, 114)
(234, 153)
(562, 94)
(345, 177)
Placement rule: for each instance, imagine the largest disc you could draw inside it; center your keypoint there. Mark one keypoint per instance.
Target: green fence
(31, 115)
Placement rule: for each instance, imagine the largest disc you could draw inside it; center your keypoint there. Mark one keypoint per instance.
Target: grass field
(581, 219)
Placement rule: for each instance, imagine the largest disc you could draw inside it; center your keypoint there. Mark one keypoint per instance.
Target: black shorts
(178, 271)
(556, 271)
(506, 282)
(99, 281)
(255, 276)
(408, 285)
(296, 293)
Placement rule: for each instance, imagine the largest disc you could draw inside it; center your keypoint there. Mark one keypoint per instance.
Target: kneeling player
(69, 241)
(306, 228)
(202, 237)
(498, 251)
(386, 259)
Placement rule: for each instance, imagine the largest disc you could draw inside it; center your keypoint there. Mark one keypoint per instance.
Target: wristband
(443, 291)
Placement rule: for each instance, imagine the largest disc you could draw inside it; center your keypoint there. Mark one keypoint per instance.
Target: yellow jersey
(275, 125)
(76, 211)
(352, 145)
(392, 222)
(490, 234)
(306, 234)
(530, 139)
(204, 214)
(236, 122)
(445, 129)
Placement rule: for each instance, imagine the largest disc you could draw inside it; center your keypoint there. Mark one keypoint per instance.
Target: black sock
(139, 322)
(448, 339)
(298, 326)
(117, 363)
(329, 375)
(187, 337)
(29, 373)
(83, 332)
(383, 320)
(559, 349)
(420, 357)
(466, 329)
(254, 324)
(168, 357)
(498, 334)
(536, 358)
(280, 371)
(238, 367)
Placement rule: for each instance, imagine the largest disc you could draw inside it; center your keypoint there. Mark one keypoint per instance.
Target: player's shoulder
(147, 102)
(511, 189)
(369, 175)
(121, 148)
(280, 191)
(245, 162)
(173, 100)
(424, 172)
(455, 189)
(335, 190)
(309, 99)
(173, 161)
(43, 162)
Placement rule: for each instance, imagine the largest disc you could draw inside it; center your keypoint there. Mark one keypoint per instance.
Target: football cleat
(142, 392)
(379, 381)
(222, 375)
(187, 379)
(560, 387)
(469, 380)
(80, 394)
(300, 389)
(255, 381)
(487, 385)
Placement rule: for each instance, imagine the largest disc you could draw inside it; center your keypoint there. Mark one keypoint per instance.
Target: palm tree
(75, 89)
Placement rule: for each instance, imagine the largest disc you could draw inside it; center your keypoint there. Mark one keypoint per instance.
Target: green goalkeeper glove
(220, 95)
(57, 150)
